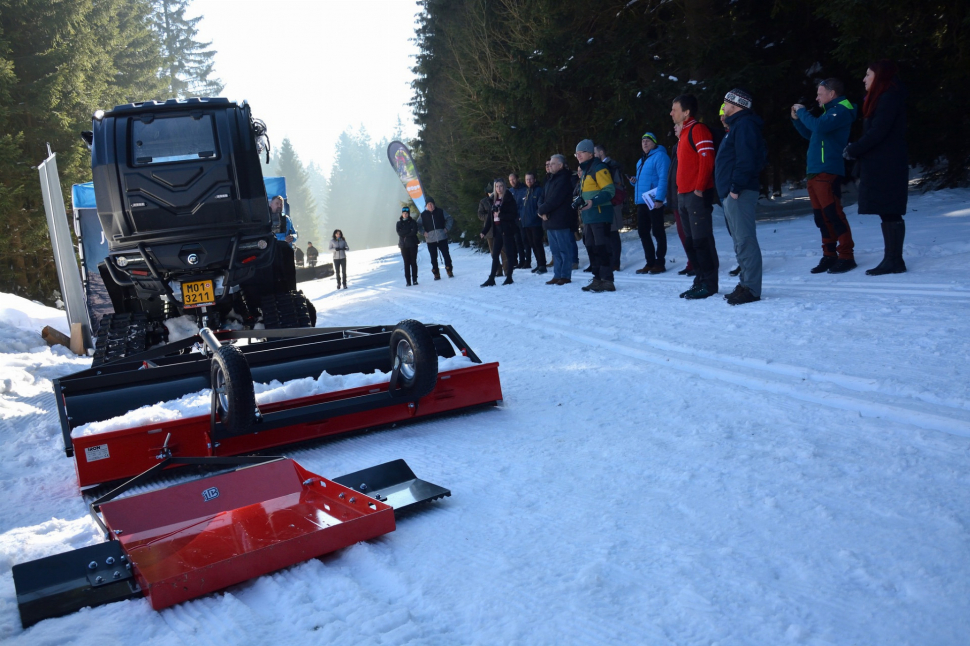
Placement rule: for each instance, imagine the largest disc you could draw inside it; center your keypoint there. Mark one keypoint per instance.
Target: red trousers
(825, 191)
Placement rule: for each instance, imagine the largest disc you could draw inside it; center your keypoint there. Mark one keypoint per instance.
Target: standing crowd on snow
(708, 165)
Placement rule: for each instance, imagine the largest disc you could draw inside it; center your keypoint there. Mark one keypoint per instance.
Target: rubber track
(120, 335)
(289, 310)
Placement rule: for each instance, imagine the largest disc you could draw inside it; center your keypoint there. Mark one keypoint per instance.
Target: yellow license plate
(198, 294)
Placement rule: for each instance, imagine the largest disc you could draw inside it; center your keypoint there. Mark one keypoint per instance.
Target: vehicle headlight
(261, 244)
(121, 261)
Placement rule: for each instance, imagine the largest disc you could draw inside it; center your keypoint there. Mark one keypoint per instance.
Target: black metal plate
(58, 585)
(394, 484)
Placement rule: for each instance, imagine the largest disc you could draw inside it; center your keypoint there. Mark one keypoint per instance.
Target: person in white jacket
(339, 249)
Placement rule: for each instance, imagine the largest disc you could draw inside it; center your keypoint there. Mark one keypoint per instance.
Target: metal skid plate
(201, 536)
(394, 484)
(61, 584)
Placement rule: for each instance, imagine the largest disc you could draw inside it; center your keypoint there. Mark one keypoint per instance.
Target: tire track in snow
(799, 391)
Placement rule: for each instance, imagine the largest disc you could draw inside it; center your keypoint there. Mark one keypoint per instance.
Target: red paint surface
(183, 544)
(135, 450)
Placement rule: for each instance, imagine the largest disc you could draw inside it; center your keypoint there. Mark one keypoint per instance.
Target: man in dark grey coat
(740, 158)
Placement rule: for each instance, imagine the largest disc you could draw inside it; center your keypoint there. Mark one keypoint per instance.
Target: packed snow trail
(615, 497)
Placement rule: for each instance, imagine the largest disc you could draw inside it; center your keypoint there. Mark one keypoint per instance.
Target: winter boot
(437, 274)
(604, 286)
(658, 269)
(824, 264)
(687, 271)
(451, 274)
(737, 290)
(735, 271)
(554, 281)
(886, 266)
(892, 261)
(741, 296)
(646, 270)
(899, 235)
(700, 292)
(490, 282)
(591, 285)
(508, 280)
(842, 265)
(696, 285)
(408, 282)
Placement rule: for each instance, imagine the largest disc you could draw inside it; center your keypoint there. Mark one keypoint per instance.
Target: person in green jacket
(827, 136)
(596, 209)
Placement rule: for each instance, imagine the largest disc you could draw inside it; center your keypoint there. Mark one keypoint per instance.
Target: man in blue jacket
(827, 136)
(737, 169)
(651, 178)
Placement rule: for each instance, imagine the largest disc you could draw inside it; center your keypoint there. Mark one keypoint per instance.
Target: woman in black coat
(407, 240)
(883, 162)
(503, 217)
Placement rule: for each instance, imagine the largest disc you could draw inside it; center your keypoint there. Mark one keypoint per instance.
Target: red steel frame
(134, 450)
(202, 536)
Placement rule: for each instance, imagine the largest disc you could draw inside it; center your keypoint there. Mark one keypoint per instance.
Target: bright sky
(313, 68)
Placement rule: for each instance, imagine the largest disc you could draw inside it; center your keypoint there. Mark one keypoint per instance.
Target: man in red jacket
(695, 193)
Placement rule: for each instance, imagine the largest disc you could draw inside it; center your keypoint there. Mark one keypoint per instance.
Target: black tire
(412, 342)
(232, 383)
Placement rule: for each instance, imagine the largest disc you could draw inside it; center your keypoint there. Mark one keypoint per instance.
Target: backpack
(618, 184)
(717, 135)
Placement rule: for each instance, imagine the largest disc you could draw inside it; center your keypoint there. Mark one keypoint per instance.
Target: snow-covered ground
(660, 472)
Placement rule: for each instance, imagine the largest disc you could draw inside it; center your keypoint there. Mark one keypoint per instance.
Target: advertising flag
(400, 158)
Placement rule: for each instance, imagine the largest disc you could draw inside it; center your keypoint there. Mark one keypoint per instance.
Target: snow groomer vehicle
(191, 238)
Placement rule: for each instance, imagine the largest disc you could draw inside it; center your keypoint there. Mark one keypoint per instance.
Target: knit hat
(405, 209)
(585, 146)
(429, 200)
(649, 135)
(739, 98)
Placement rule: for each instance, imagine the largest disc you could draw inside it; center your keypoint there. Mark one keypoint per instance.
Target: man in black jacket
(557, 215)
(503, 219)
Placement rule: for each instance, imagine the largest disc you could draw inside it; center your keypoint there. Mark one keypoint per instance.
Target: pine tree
(188, 62)
(303, 208)
(319, 188)
(59, 62)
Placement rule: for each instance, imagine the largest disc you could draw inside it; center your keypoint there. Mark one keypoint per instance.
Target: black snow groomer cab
(181, 199)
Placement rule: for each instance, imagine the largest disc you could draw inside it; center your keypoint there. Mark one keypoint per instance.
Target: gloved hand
(846, 154)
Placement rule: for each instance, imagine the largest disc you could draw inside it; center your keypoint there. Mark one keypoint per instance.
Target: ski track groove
(865, 408)
(582, 627)
(916, 290)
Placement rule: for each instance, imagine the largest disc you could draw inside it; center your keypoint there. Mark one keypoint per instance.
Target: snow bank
(196, 404)
(28, 315)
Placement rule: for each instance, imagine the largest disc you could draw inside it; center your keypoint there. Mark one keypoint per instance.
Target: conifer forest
(503, 84)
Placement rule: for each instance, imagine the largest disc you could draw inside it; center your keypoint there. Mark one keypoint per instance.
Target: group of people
(435, 224)
(708, 165)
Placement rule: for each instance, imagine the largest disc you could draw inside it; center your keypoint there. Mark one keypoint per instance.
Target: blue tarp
(82, 195)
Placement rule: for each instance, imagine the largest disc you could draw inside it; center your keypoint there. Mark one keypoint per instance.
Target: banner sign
(400, 158)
